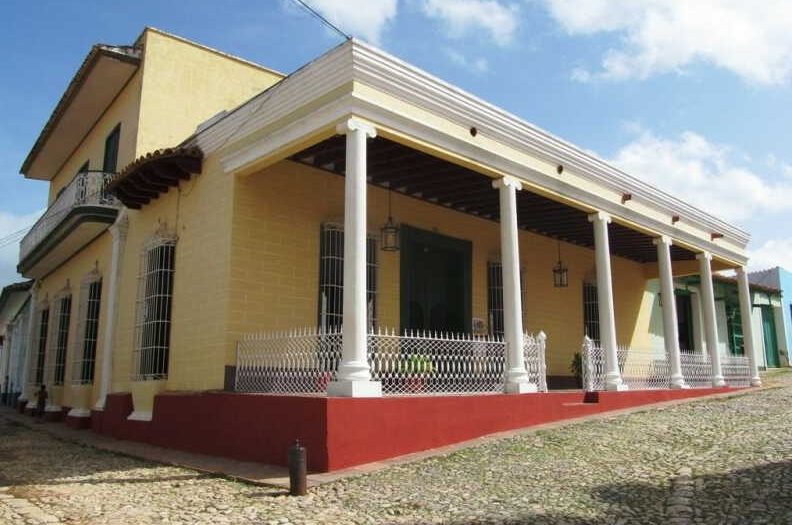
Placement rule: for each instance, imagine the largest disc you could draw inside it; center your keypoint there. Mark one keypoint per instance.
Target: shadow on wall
(754, 495)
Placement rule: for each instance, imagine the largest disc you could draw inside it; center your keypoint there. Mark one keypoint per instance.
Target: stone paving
(721, 461)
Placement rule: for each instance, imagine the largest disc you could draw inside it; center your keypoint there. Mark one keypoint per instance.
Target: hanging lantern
(560, 272)
(389, 233)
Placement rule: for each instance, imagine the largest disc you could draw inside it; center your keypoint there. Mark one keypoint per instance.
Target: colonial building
(14, 337)
(357, 229)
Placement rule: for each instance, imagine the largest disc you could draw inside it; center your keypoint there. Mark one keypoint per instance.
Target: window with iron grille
(41, 345)
(155, 298)
(87, 330)
(495, 296)
(60, 339)
(331, 278)
(591, 312)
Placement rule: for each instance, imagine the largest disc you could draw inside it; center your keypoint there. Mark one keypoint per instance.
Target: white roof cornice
(356, 62)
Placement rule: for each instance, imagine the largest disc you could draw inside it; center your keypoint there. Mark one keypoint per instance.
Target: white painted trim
(79, 412)
(140, 415)
(358, 62)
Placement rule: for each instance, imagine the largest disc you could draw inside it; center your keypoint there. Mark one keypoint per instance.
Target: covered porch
(428, 337)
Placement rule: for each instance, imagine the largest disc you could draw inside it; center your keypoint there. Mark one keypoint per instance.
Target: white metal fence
(86, 189)
(411, 363)
(649, 369)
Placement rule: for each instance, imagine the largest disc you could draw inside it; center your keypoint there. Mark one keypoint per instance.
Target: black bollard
(298, 470)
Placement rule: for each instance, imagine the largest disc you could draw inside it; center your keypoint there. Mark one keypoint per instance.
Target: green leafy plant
(417, 365)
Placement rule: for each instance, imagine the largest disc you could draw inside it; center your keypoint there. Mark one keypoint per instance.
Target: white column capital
(704, 256)
(356, 124)
(600, 216)
(663, 239)
(507, 181)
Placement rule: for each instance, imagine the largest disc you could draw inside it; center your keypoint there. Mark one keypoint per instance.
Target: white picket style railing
(643, 369)
(409, 363)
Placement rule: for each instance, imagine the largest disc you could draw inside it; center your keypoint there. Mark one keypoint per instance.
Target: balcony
(82, 211)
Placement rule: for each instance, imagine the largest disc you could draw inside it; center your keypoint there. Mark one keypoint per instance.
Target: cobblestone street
(716, 461)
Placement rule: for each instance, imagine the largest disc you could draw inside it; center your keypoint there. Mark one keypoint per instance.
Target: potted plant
(417, 368)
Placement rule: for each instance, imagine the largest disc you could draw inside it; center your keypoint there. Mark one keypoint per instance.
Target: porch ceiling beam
(417, 171)
(384, 160)
(452, 184)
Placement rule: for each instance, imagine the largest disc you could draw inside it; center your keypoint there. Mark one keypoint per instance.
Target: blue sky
(695, 98)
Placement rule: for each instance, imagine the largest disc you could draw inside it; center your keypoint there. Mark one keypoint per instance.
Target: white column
(607, 315)
(670, 327)
(354, 374)
(708, 308)
(744, 293)
(119, 232)
(6, 357)
(517, 381)
(30, 351)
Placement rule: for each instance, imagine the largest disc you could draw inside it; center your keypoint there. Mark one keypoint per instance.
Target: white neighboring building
(14, 337)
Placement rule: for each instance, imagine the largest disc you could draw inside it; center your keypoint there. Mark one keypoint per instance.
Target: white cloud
(774, 252)
(362, 18)
(12, 224)
(750, 39)
(475, 65)
(463, 16)
(705, 175)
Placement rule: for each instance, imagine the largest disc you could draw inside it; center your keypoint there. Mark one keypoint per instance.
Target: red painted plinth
(343, 432)
(113, 422)
(78, 423)
(21, 404)
(53, 416)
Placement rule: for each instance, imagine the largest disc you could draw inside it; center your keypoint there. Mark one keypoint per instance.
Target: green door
(436, 282)
(769, 334)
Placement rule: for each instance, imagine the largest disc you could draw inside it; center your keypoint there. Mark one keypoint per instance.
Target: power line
(322, 19)
(18, 235)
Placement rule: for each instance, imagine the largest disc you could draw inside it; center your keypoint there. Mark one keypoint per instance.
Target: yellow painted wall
(200, 213)
(275, 262)
(185, 84)
(178, 86)
(124, 110)
(72, 272)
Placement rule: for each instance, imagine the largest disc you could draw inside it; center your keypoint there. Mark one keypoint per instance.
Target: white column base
(53, 408)
(139, 415)
(615, 384)
(79, 412)
(31, 405)
(756, 381)
(678, 383)
(521, 387)
(718, 381)
(354, 389)
(99, 406)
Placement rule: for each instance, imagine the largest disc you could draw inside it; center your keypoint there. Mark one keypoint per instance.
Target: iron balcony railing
(86, 189)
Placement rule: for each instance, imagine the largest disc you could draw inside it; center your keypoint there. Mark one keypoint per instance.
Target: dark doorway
(435, 281)
(684, 321)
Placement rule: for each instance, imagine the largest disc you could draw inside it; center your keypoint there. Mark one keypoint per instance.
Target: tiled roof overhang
(154, 174)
